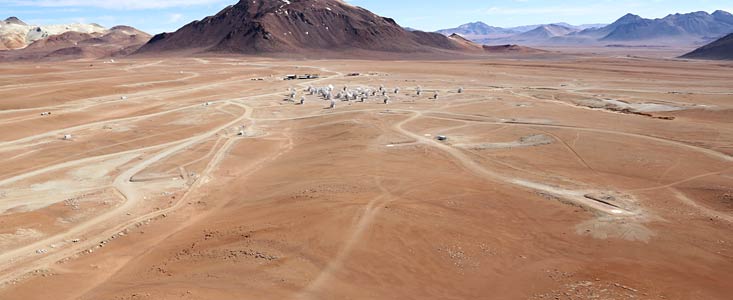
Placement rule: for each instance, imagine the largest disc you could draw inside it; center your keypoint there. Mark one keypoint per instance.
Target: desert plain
(559, 177)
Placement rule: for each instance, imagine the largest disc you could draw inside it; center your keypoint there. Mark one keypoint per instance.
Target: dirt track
(315, 203)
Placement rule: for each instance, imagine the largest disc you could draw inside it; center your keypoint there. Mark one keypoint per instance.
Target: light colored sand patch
(20, 234)
(51, 185)
(609, 227)
(526, 121)
(79, 182)
(601, 203)
(197, 118)
(252, 131)
(45, 194)
(118, 127)
(98, 170)
(643, 107)
(525, 141)
(617, 215)
(558, 191)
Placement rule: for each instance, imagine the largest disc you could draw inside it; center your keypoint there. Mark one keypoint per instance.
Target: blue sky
(155, 16)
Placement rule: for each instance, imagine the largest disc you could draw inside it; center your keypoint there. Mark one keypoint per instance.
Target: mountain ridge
(298, 27)
(116, 41)
(16, 34)
(686, 29)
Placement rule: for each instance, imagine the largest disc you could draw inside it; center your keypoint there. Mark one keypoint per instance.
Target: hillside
(544, 32)
(315, 27)
(478, 30)
(16, 34)
(690, 29)
(722, 49)
(117, 41)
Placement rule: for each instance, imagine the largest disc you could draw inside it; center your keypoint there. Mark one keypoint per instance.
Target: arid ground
(563, 177)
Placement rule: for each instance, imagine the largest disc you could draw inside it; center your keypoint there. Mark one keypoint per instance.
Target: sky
(156, 16)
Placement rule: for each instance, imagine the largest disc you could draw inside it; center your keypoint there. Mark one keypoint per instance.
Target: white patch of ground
(525, 141)
(196, 119)
(80, 181)
(21, 234)
(610, 227)
(119, 128)
(101, 169)
(643, 107)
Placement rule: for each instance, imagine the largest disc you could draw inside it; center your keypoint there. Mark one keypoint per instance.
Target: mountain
(66, 39)
(549, 34)
(478, 30)
(723, 16)
(580, 27)
(16, 34)
(544, 32)
(600, 32)
(643, 30)
(686, 29)
(466, 43)
(302, 27)
(526, 28)
(541, 34)
(117, 41)
(16, 21)
(691, 29)
(722, 49)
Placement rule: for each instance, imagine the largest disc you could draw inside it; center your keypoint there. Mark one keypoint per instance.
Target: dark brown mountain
(721, 49)
(299, 27)
(14, 20)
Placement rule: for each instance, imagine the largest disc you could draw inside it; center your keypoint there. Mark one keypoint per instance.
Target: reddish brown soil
(361, 202)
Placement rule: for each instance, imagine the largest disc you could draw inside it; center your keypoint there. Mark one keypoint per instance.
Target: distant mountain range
(16, 34)
(563, 24)
(694, 28)
(480, 30)
(19, 41)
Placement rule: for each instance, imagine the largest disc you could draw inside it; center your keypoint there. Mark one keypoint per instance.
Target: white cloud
(119, 4)
(173, 18)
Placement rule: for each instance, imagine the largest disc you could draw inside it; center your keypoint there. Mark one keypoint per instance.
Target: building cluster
(301, 77)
